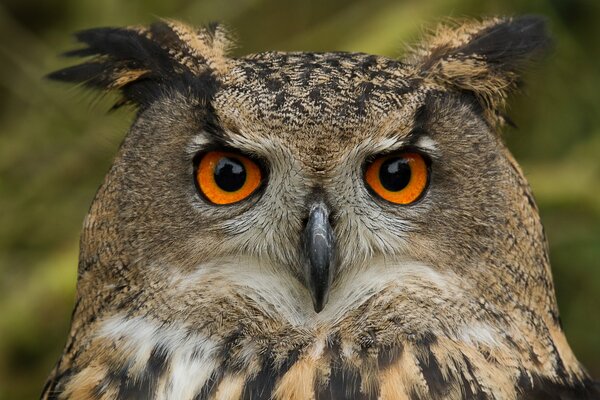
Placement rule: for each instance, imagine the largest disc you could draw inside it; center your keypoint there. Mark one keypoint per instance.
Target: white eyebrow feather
(197, 143)
(428, 144)
(424, 142)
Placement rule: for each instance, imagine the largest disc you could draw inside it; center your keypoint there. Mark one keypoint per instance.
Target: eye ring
(399, 178)
(226, 177)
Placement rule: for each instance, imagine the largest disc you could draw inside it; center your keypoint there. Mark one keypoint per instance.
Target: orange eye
(226, 178)
(399, 178)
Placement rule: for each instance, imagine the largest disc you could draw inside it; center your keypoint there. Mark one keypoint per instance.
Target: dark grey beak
(319, 249)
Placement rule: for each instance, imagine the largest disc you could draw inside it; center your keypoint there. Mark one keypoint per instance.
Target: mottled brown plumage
(450, 297)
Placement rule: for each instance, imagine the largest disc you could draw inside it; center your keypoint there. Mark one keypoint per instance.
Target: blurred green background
(56, 143)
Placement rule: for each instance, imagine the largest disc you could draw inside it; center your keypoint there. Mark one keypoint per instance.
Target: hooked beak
(319, 251)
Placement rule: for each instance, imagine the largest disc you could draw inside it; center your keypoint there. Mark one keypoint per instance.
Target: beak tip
(319, 305)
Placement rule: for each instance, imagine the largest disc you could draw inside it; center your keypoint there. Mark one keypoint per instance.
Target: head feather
(141, 61)
(484, 58)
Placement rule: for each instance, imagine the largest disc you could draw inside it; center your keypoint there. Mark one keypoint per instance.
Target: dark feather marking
(290, 360)
(423, 115)
(131, 388)
(209, 122)
(127, 300)
(231, 341)
(470, 99)
(403, 90)
(387, 355)
(169, 39)
(560, 368)
(475, 392)
(114, 378)
(414, 395)
(136, 387)
(426, 339)
(54, 387)
(211, 29)
(344, 381)
(438, 385)
(280, 99)
(366, 88)
(524, 382)
(262, 385)
(157, 363)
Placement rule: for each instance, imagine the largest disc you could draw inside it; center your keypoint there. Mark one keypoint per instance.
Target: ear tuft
(141, 61)
(484, 58)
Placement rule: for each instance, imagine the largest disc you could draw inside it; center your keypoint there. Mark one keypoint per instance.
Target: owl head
(334, 195)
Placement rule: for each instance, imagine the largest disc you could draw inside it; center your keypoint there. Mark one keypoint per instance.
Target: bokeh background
(56, 142)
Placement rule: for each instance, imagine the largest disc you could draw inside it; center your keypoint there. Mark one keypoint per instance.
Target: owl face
(312, 128)
(313, 225)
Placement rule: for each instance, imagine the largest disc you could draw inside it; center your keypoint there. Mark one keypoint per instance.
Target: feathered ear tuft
(485, 58)
(140, 62)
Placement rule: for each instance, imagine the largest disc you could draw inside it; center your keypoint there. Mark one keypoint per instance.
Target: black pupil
(394, 174)
(230, 174)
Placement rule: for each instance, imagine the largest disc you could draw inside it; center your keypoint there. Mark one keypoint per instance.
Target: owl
(291, 225)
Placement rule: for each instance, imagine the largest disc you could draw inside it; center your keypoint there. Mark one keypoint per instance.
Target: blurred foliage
(57, 142)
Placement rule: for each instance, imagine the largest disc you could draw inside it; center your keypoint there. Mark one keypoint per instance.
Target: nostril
(332, 218)
(304, 221)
